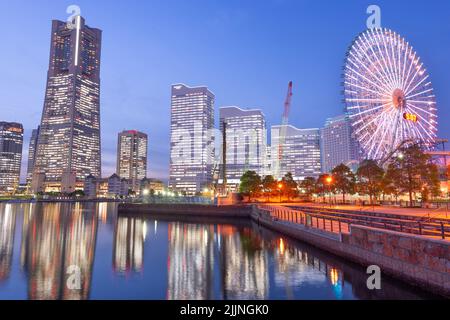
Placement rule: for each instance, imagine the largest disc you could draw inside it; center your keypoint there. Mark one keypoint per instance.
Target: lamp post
(329, 181)
(280, 187)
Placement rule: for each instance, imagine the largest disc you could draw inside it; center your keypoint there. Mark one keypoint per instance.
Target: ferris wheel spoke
(388, 59)
(420, 110)
(418, 70)
(366, 79)
(380, 69)
(411, 64)
(419, 93)
(383, 67)
(405, 58)
(407, 93)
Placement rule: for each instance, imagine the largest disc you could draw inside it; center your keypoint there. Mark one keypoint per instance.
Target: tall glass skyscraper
(300, 152)
(32, 154)
(191, 139)
(337, 143)
(245, 141)
(132, 157)
(69, 139)
(11, 142)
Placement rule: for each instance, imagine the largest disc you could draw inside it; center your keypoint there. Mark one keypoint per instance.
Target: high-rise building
(192, 139)
(132, 157)
(337, 143)
(245, 142)
(69, 138)
(300, 152)
(32, 154)
(11, 142)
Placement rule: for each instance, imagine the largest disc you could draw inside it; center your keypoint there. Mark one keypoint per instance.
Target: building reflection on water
(56, 237)
(7, 226)
(129, 237)
(190, 262)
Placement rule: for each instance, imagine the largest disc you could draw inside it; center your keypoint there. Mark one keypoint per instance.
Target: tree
(370, 176)
(416, 172)
(269, 185)
(322, 186)
(389, 182)
(289, 186)
(308, 185)
(250, 183)
(344, 180)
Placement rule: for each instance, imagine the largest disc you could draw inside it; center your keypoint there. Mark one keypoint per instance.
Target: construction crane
(283, 129)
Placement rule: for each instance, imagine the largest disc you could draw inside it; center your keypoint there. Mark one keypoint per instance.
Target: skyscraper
(11, 141)
(69, 139)
(191, 139)
(300, 152)
(32, 154)
(245, 140)
(337, 143)
(132, 157)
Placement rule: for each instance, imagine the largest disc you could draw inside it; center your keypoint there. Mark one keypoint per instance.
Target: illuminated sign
(410, 117)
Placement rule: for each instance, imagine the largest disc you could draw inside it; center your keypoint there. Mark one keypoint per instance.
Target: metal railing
(339, 222)
(310, 220)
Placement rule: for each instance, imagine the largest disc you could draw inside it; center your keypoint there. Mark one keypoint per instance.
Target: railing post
(324, 225)
(420, 228)
(442, 230)
(340, 227)
(331, 221)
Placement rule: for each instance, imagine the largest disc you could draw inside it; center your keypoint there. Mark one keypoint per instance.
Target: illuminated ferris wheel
(388, 94)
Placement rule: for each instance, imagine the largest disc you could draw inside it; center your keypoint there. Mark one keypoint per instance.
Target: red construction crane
(283, 129)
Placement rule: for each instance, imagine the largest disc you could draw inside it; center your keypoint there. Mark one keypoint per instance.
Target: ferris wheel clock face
(388, 93)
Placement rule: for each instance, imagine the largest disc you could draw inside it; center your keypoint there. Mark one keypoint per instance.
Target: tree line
(409, 172)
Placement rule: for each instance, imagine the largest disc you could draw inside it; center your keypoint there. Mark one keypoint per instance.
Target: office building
(132, 157)
(68, 148)
(11, 142)
(245, 142)
(32, 154)
(300, 152)
(337, 143)
(191, 139)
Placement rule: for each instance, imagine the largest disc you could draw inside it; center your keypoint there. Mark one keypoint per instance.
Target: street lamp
(329, 181)
(280, 187)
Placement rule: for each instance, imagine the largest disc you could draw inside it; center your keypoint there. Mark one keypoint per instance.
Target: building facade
(11, 143)
(69, 136)
(338, 144)
(300, 152)
(246, 142)
(191, 139)
(132, 157)
(32, 154)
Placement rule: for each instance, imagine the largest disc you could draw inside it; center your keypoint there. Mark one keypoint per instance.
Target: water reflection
(129, 239)
(56, 237)
(7, 226)
(172, 260)
(190, 261)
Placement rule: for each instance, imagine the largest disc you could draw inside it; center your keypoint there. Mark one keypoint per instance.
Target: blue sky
(245, 51)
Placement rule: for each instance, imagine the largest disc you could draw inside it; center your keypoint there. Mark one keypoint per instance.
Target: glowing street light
(146, 192)
(280, 187)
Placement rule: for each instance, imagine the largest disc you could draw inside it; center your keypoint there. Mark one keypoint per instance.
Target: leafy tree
(344, 180)
(309, 186)
(269, 185)
(370, 176)
(389, 182)
(322, 187)
(289, 186)
(250, 184)
(416, 172)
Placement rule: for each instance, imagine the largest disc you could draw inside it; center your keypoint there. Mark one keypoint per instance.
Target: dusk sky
(246, 52)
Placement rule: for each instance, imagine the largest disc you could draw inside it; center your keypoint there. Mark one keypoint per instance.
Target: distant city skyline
(251, 53)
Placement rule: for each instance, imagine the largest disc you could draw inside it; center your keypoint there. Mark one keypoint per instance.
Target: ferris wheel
(388, 94)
